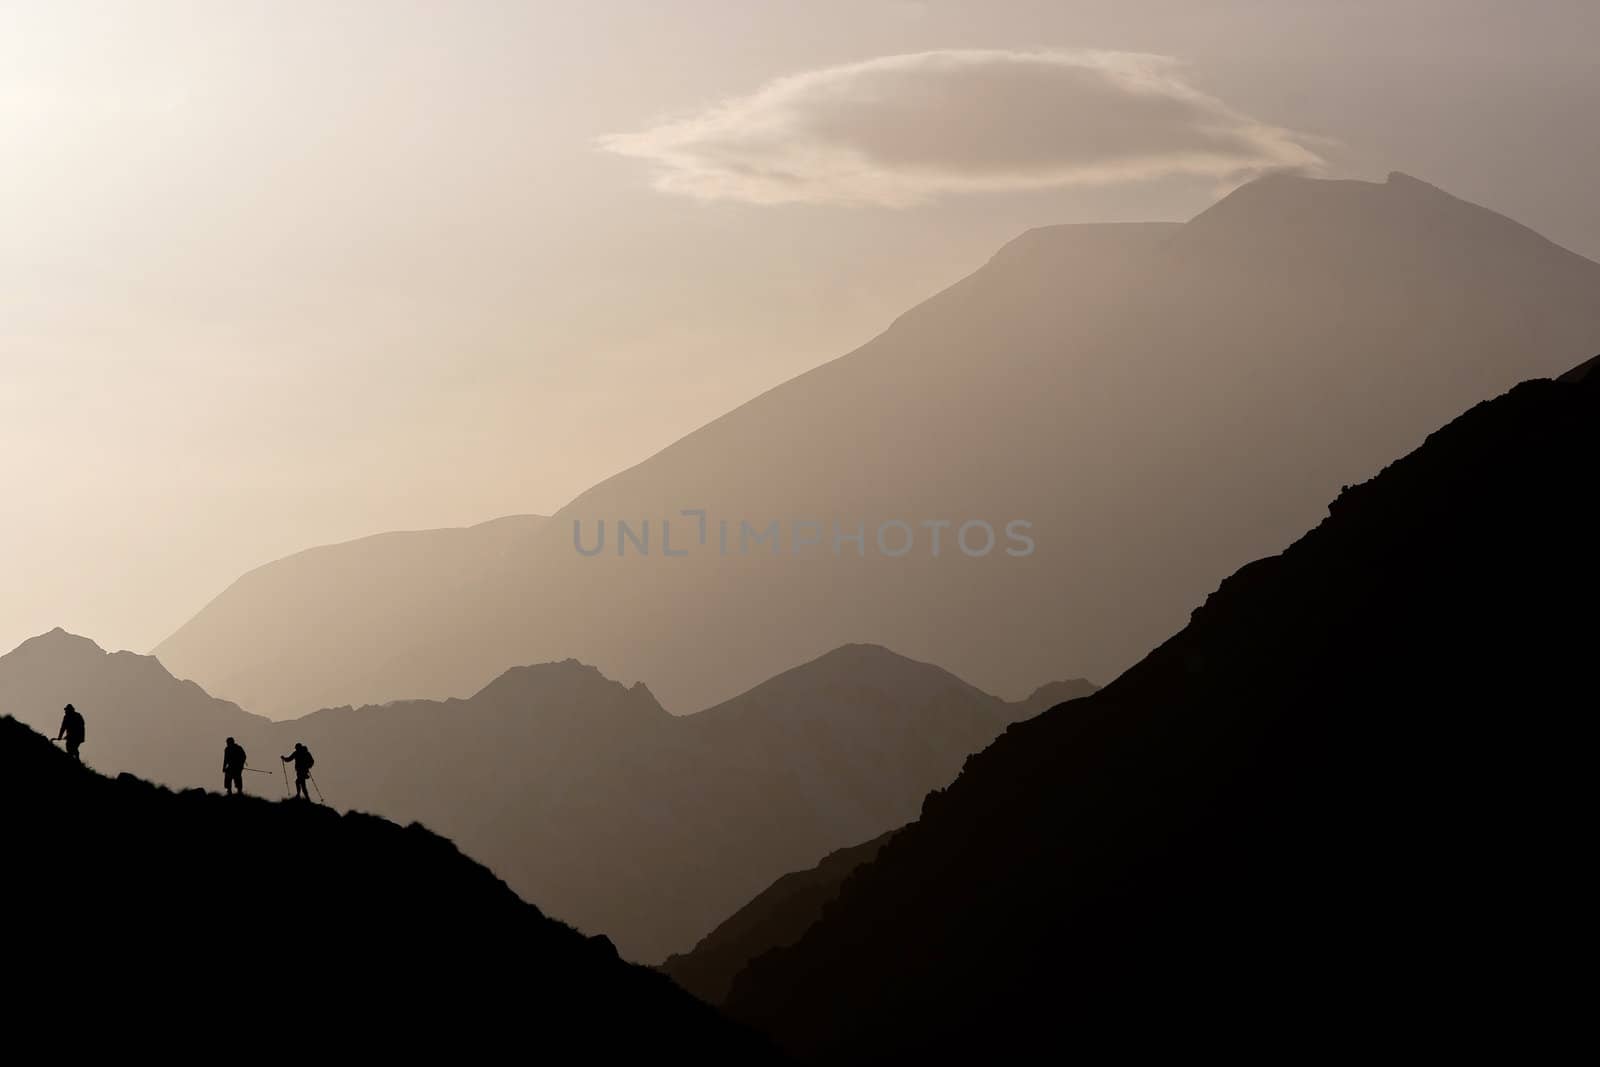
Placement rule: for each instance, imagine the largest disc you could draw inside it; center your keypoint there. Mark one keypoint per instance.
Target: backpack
(310, 761)
(75, 727)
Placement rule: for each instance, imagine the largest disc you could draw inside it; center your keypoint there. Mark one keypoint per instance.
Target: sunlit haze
(282, 274)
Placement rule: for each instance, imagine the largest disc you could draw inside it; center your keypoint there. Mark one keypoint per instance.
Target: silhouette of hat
(299, 744)
(69, 707)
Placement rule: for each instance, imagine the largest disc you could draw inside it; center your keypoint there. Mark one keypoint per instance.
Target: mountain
(141, 720)
(150, 921)
(1342, 808)
(777, 917)
(584, 794)
(784, 910)
(1583, 372)
(362, 609)
(1162, 402)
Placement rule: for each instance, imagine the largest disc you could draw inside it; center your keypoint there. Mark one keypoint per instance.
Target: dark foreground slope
(778, 916)
(1341, 807)
(144, 919)
(141, 720)
(582, 793)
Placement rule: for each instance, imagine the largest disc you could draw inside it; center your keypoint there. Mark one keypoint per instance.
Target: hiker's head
(230, 740)
(299, 746)
(69, 707)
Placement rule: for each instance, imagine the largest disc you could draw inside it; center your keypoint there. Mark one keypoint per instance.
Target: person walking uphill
(302, 768)
(72, 729)
(233, 760)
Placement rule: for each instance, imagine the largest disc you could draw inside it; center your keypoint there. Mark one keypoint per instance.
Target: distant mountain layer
(1162, 402)
(777, 917)
(585, 795)
(141, 720)
(365, 609)
(200, 922)
(1342, 809)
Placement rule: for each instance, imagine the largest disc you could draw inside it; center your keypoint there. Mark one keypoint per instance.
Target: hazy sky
(282, 273)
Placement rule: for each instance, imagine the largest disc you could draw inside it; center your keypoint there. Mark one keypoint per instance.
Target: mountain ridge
(407, 925)
(777, 917)
(583, 793)
(1247, 840)
(1291, 311)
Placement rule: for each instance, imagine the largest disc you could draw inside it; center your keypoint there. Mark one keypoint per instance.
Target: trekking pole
(257, 770)
(317, 787)
(285, 769)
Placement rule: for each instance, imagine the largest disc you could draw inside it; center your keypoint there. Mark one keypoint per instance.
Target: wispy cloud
(902, 130)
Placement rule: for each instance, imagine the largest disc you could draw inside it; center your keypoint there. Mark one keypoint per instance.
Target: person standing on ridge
(71, 729)
(233, 759)
(302, 768)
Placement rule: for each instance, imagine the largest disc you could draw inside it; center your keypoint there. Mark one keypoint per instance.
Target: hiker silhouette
(233, 760)
(72, 729)
(301, 756)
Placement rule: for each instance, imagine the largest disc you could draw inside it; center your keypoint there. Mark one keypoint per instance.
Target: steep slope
(1162, 402)
(784, 910)
(140, 719)
(1339, 810)
(778, 916)
(788, 907)
(149, 923)
(1583, 372)
(584, 794)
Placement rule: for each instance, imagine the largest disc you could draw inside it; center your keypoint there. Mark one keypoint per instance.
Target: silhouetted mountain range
(142, 721)
(1161, 401)
(189, 924)
(1342, 809)
(778, 916)
(584, 794)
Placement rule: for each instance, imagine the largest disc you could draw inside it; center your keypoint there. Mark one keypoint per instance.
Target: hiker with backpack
(301, 756)
(73, 730)
(233, 760)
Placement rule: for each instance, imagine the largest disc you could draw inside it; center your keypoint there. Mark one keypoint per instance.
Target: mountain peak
(862, 651)
(58, 642)
(858, 663)
(1059, 692)
(1014, 383)
(72, 654)
(568, 683)
(1288, 188)
(1401, 178)
(835, 683)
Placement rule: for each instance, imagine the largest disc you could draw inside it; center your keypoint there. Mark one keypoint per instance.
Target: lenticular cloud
(902, 130)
